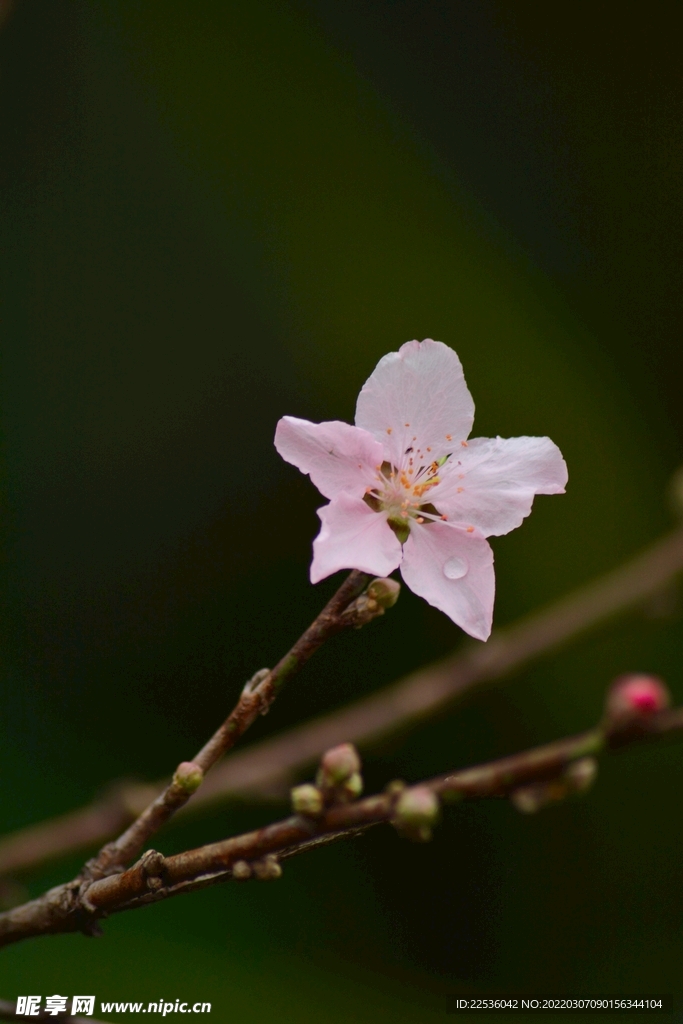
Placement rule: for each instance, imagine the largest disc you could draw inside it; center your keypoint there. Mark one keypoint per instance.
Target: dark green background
(214, 214)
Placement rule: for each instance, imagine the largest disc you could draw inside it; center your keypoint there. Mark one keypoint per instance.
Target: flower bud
(635, 696)
(152, 862)
(338, 765)
(581, 774)
(352, 788)
(576, 778)
(267, 868)
(384, 591)
(307, 800)
(241, 871)
(416, 810)
(188, 777)
(530, 799)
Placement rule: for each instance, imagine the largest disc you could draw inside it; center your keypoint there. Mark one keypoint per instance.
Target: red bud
(636, 695)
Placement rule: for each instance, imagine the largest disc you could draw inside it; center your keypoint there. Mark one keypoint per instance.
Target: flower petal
(418, 392)
(491, 483)
(336, 456)
(453, 570)
(353, 537)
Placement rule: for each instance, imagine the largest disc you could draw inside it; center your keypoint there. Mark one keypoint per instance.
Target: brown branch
(6, 9)
(346, 608)
(8, 1012)
(154, 877)
(268, 766)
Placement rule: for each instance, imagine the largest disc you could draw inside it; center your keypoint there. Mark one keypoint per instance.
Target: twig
(270, 764)
(256, 699)
(155, 877)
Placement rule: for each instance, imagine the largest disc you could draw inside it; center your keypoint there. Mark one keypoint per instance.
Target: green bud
(353, 787)
(241, 871)
(307, 800)
(267, 868)
(338, 765)
(416, 810)
(581, 774)
(577, 777)
(530, 799)
(188, 777)
(384, 591)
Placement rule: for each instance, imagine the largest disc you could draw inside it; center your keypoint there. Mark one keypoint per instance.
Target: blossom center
(404, 492)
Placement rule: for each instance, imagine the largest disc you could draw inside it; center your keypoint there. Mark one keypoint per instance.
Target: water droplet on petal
(455, 568)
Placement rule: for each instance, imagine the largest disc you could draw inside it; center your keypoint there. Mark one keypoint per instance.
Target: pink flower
(408, 489)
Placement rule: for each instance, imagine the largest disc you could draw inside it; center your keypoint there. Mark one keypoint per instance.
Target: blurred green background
(216, 214)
